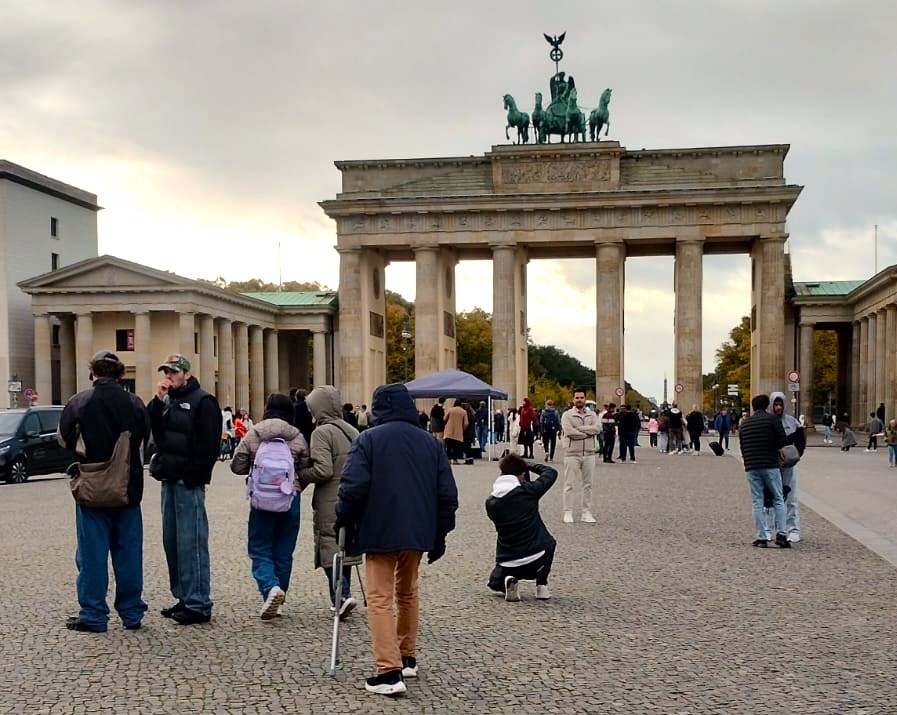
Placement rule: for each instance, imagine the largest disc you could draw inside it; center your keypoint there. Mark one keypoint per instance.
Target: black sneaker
(782, 541)
(189, 617)
(171, 610)
(761, 543)
(389, 683)
(133, 626)
(73, 623)
(409, 666)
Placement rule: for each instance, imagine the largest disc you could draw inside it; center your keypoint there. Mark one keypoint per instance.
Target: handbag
(105, 484)
(788, 456)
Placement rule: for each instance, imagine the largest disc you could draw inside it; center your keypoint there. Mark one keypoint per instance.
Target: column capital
(609, 241)
(686, 240)
(348, 249)
(425, 247)
(808, 324)
(773, 237)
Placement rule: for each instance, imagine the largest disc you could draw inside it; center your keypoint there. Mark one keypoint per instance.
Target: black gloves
(438, 550)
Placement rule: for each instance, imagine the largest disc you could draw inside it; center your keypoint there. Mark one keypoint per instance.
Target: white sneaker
(274, 601)
(568, 517)
(542, 592)
(511, 593)
(346, 606)
(768, 535)
(587, 517)
(794, 537)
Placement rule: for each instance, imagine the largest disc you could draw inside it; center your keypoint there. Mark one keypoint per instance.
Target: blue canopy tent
(456, 383)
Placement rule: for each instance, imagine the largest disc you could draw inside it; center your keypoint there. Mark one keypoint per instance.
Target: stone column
(842, 392)
(771, 371)
(871, 388)
(891, 362)
(256, 372)
(859, 414)
(67, 377)
(186, 329)
(241, 366)
(806, 370)
(43, 359)
(319, 360)
(427, 322)
(504, 322)
(881, 362)
(83, 349)
(207, 353)
(272, 363)
(609, 362)
(688, 285)
(856, 341)
(226, 367)
(144, 383)
(352, 326)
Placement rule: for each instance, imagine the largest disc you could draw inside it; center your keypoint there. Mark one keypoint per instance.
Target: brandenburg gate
(592, 200)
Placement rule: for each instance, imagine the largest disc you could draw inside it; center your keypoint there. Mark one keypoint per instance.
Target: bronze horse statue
(575, 120)
(540, 121)
(517, 119)
(600, 117)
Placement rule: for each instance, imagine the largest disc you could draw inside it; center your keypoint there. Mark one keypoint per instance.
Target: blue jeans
(482, 435)
(627, 443)
(772, 479)
(724, 439)
(346, 582)
(792, 507)
(185, 538)
(272, 540)
(828, 432)
(103, 532)
(892, 453)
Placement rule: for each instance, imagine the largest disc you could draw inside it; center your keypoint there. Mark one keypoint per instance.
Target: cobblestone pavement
(661, 607)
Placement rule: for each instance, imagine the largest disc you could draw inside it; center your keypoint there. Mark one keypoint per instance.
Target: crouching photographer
(524, 548)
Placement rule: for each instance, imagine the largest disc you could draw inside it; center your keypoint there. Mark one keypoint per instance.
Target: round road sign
(794, 376)
(679, 387)
(29, 393)
(619, 392)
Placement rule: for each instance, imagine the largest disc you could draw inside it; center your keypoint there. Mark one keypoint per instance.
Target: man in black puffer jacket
(524, 548)
(186, 424)
(397, 499)
(761, 437)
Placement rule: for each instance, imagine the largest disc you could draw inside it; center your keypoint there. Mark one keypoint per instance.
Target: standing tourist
(186, 426)
(482, 418)
(629, 426)
(498, 424)
(272, 447)
(437, 419)
(876, 428)
(580, 426)
(302, 419)
(675, 428)
(608, 423)
(94, 425)
(453, 431)
(652, 431)
(694, 424)
(527, 438)
(891, 440)
(827, 423)
(796, 435)
(397, 500)
(550, 426)
(722, 423)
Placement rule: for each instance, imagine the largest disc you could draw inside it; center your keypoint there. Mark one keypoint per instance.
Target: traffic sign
(13, 386)
(619, 392)
(794, 376)
(793, 387)
(29, 393)
(679, 387)
(733, 390)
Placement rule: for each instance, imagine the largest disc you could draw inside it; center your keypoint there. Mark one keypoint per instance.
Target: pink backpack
(271, 479)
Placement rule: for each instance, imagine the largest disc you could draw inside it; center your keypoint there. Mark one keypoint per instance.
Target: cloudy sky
(209, 128)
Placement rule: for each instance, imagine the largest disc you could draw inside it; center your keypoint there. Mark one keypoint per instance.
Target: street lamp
(715, 389)
(406, 336)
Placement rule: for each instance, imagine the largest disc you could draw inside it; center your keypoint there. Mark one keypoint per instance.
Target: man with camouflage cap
(186, 427)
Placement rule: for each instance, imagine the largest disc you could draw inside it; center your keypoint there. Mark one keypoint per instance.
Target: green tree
(825, 365)
(257, 285)
(473, 333)
(398, 349)
(733, 360)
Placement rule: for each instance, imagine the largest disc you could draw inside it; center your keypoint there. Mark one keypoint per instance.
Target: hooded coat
(455, 424)
(267, 429)
(397, 491)
(794, 431)
(330, 444)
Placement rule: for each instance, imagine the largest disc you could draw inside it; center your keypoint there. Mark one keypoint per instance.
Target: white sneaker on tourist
(867, 450)
(511, 593)
(274, 601)
(568, 517)
(768, 535)
(542, 592)
(794, 537)
(587, 517)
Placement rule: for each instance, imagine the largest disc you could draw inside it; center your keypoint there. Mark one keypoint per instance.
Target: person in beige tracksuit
(580, 425)
(329, 445)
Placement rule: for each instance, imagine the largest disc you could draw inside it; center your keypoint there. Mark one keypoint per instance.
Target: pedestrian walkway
(661, 607)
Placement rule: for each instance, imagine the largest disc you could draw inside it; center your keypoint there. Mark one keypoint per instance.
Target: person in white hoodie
(795, 434)
(524, 548)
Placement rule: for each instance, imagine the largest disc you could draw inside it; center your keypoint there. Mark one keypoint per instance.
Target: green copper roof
(294, 298)
(826, 288)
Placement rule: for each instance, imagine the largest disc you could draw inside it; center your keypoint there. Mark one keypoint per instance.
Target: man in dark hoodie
(186, 426)
(524, 549)
(397, 499)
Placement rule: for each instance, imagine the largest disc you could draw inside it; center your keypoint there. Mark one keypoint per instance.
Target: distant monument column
(688, 284)
(83, 349)
(891, 362)
(610, 258)
(871, 388)
(881, 362)
(863, 392)
(509, 357)
(435, 345)
(272, 363)
(43, 364)
(807, 359)
(256, 372)
(851, 407)
(241, 366)
(207, 352)
(768, 325)
(144, 369)
(67, 376)
(226, 364)
(319, 358)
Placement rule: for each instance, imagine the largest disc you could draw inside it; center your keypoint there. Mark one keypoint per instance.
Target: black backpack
(550, 421)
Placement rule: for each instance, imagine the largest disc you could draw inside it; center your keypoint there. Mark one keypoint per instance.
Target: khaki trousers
(392, 582)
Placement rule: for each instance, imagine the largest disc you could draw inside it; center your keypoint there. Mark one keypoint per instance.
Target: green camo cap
(175, 363)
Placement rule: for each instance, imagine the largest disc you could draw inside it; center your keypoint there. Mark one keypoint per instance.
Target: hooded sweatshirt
(514, 510)
(794, 431)
(527, 414)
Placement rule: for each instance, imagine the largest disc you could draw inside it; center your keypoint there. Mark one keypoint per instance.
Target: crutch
(364, 596)
(336, 588)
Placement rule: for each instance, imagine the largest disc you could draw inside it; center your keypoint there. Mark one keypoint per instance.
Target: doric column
(256, 372)
(856, 341)
(504, 322)
(241, 366)
(43, 362)
(891, 362)
(83, 349)
(352, 326)
(881, 362)
(688, 285)
(610, 267)
(806, 370)
(319, 360)
(859, 415)
(207, 353)
(427, 323)
(226, 364)
(67, 377)
(272, 363)
(770, 308)
(186, 331)
(871, 389)
(144, 383)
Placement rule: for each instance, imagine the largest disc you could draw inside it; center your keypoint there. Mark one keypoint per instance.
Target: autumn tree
(399, 350)
(733, 360)
(473, 333)
(825, 365)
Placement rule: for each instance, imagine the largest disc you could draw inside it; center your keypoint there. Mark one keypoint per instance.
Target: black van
(28, 443)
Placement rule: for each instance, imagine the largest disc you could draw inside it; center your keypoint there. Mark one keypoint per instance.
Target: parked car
(28, 443)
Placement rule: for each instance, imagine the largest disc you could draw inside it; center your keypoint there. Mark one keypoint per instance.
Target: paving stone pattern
(660, 607)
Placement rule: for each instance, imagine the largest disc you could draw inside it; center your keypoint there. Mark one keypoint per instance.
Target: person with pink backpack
(270, 454)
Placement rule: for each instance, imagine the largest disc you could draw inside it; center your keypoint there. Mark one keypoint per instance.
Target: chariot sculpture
(563, 116)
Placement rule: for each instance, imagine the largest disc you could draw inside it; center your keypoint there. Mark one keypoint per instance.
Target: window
(124, 340)
(49, 420)
(54, 227)
(54, 261)
(31, 424)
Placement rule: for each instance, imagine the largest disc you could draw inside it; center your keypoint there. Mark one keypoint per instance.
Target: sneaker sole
(391, 689)
(269, 611)
(409, 672)
(511, 593)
